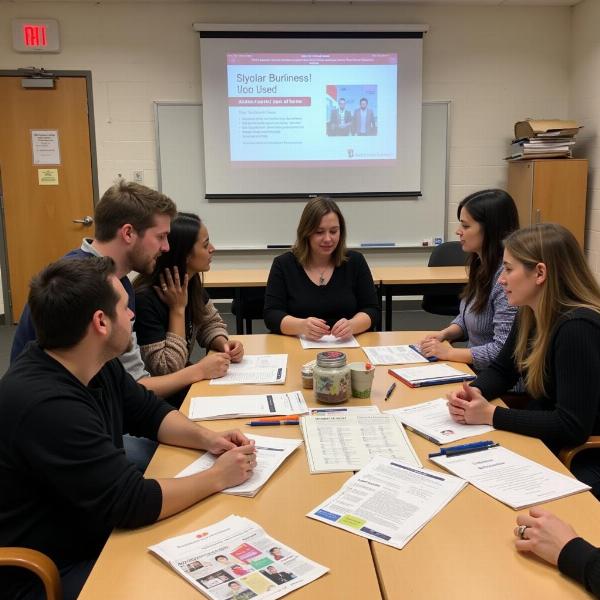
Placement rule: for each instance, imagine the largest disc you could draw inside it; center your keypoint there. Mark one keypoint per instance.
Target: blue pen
(450, 454)
(390, 391)
(460, 448)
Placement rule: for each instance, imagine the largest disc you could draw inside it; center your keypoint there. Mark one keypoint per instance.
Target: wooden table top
(466, 550)
(386, 275)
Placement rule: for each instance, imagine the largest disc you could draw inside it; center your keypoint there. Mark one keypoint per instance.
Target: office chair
(38, 563)
(253, 302)
(448, 254)
(566, 455)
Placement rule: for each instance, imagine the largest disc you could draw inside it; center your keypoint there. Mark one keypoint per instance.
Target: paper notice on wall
(45, 147)
(48, 176)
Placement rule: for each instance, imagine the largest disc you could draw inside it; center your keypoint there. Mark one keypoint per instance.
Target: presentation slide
(312, 108)
(298, 114)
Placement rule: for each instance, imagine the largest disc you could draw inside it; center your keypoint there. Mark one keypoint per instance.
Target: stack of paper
(206, 408)
(330, 341)
(433, 421)
(543, 138)
(394, 355)
(433, 374)
(270, 453)
(510, 478)
(235, 559)
(347, 442)
(255, 368)
(388, 501)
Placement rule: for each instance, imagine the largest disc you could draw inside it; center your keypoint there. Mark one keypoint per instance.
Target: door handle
(538, 216)
(86, 221)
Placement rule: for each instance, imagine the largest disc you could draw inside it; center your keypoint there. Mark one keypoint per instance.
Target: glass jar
(331, 378)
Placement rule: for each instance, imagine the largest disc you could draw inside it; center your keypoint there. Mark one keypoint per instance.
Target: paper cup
(361, 380)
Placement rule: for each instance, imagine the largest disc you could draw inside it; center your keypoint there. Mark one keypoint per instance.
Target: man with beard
(132, 224)
(64, 405)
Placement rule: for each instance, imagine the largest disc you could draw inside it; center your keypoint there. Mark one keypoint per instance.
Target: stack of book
(543, 139)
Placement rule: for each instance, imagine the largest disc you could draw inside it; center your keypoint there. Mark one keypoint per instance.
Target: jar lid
(331, 358)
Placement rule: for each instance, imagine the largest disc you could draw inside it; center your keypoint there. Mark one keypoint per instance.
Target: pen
(390, 391)
(460, 448)
(263, 423)
(468, 451)
(277, 418)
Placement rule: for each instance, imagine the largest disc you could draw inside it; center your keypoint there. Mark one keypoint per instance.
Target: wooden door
(40, 204)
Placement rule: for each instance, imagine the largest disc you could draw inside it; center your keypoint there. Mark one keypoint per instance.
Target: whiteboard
(241, 224)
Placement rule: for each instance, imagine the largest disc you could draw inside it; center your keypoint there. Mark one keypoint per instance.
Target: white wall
(496, 64)
(584, 105)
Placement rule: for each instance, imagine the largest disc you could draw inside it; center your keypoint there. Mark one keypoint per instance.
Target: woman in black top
(320, 288)
(554, 344)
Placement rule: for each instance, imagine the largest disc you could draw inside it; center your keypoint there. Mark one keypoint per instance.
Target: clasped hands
(314, 329)
(468, 406)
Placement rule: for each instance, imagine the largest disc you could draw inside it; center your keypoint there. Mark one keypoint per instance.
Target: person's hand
(214, 365)
(433, 347)
(342, 329)
(218, 442)
(235, 350)
(545, 534)
(172, 291)
(314, 328)
(235, 466)
(468, 406)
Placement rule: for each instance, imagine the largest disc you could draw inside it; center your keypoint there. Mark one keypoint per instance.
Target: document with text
(348, 442)
(388, 501)
(270, 454)
(235, 559)
(255, 368)
(510, 478)
(433, 421)
(330, 341)
(203, 408)
(393, 355)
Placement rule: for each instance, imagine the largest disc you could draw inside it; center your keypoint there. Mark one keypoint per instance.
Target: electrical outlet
(138, 176)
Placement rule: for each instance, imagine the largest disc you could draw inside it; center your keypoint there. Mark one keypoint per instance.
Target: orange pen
(279, 418)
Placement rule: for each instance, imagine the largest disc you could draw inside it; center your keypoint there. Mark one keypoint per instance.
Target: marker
(263, 423)
(377, 244)
(390, 391)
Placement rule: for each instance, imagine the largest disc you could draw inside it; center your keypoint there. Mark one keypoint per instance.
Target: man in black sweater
(64, 406)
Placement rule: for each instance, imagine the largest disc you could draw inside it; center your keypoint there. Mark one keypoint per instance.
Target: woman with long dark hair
(173, 310)
(485, 318)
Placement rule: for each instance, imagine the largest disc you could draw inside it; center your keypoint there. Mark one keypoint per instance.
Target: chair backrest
(38, 563)
(448, 254)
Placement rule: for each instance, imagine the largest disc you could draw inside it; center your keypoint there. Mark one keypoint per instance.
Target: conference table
(466, 551)
(390, 281)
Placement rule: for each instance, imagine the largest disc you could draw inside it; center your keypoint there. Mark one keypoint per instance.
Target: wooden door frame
(8, 316)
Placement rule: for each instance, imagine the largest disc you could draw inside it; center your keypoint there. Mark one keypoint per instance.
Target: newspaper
(347, 442)
(205, 408)
(235, 559)
(255, 368)
(388, 501)
(270, 454)
(433, 421)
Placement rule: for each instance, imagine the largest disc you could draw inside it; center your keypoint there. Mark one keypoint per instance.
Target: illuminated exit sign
(35, 35)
